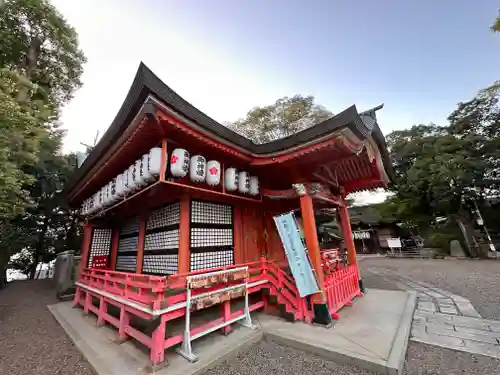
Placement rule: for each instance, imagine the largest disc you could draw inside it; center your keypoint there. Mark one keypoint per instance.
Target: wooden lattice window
(161, 245)
(211, 237)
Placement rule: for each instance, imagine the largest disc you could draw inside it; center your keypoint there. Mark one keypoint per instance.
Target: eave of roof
(146, 84)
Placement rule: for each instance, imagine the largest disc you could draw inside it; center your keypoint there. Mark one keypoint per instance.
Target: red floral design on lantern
(213, 171)
(174, 159)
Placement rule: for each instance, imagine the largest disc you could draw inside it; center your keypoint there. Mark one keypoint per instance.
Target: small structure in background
(180, 219)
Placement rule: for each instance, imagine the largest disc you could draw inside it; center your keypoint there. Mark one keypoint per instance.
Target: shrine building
(182, 215)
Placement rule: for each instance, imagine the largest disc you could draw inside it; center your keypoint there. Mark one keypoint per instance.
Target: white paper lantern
(120, 189)
(138, 174)
(92, 205)
(198, 168)
(107, 201)
(101, 198)
(108, 193)
(179, 163)
(146, 173)
(213, 173)
(97, 201)
(126, 185)
(114, 195)
(231, 179)
(131, 178)
(154, 161)
(243, 182)
(254, 185)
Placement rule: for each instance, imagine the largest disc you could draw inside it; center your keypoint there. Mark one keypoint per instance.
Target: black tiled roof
(147, 84)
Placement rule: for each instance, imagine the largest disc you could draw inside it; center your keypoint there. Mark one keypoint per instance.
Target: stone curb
(397, 356)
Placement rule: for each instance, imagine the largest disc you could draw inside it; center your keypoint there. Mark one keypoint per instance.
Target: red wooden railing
(341, 287)
(150, 297)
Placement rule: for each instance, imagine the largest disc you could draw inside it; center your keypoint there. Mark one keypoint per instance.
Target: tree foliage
(285, 117)
(441, 169)
(496, 25)
(39, 43)
(22, 126)
(40, 69)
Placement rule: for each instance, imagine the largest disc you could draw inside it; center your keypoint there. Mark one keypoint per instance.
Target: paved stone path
(445, 319)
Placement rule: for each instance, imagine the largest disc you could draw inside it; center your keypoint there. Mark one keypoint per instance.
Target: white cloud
(365, 198)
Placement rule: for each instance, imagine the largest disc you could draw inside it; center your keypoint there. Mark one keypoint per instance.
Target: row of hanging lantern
(147, 169)
(144, 171)
(200, 170)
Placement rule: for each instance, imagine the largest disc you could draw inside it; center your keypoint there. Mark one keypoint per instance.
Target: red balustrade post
(157, 350)
(102, 310)
(226, 315)
(124, 322)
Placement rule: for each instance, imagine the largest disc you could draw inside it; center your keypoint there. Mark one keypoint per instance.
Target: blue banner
(296, 254)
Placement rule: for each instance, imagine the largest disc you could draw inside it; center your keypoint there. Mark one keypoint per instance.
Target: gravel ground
(269, 358)
(476, 280)
(422, 359)
(31, 340)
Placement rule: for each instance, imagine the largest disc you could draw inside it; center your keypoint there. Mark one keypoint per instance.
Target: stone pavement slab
(372, 334)
(473, 335)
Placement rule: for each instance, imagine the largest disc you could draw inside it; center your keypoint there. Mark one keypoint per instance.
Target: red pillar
(184, 235)
(140, 246)
(85, 249)
(239, 256)
(345, 224)
(321, 311)
(163, 162)
(114, 248)
(311, 235)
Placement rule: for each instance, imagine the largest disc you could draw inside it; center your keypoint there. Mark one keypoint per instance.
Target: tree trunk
(468, 237)
(3, 276)
(39, 248)
(29, 66)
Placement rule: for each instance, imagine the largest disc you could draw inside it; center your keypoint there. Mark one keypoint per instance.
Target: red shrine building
(180, 212)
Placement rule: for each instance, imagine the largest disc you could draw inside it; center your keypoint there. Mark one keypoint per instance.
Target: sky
(418, 57)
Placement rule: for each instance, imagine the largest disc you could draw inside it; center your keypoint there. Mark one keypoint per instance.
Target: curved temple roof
(147, 85)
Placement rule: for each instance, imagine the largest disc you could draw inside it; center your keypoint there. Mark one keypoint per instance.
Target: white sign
(394, 242)
(361, 235)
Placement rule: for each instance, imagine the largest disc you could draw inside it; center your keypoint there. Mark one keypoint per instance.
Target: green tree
(51, 225)
(285, 117)
(39, 44)
(441, 169)
(40, 69)
(496, 25)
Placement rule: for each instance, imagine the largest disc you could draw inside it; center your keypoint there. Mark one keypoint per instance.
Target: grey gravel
(31, 340)
(267, 357)
(423, 359)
